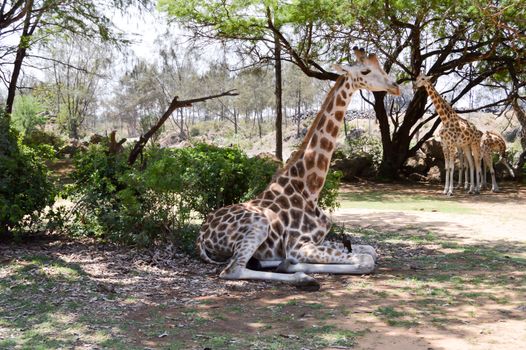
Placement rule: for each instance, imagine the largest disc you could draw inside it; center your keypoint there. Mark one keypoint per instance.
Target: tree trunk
(278, 93)
(396, 148)
(73, 129)
(21, 52)
(260, 121)
(521, 117)
(235, 120)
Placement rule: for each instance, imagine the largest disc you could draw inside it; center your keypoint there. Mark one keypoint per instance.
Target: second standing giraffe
(456, 133)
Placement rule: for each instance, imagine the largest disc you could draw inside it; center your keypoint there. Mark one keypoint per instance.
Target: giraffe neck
(443, 108)
(308, 169)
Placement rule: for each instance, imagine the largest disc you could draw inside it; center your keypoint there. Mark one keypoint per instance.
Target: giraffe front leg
(477, 163)
(489, 163)
(355, 248)
(245, 249)
(484, 169)
(460, 168)
(311, 258)
(450, 172)
(472, 187)
(446, 185)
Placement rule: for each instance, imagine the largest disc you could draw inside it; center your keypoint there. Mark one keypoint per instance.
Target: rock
(355, 133)
(171, 139)
(511, 135)
(269, 157)
(96, 139)
(416, 165)
(433, 149)
(433, 175)
(357, 166)
(417, 177)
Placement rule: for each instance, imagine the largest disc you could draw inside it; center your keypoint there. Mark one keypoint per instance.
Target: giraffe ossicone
(283, 226)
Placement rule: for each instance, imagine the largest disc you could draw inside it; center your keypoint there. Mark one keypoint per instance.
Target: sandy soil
(497, 218)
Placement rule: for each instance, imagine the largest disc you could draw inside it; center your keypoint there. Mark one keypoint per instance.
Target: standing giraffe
(491, 143)
(456, 132)
(283, 226)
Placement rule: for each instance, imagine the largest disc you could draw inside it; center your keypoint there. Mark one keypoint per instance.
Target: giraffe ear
(341, 69)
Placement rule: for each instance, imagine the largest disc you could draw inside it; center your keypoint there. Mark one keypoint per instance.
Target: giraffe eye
(365, 72)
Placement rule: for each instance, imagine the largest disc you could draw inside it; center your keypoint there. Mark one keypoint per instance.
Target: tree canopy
(463, 41)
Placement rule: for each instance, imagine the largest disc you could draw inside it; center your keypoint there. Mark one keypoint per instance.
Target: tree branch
(175, 104)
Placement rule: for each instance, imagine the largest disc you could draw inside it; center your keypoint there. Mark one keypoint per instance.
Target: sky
(142, 29)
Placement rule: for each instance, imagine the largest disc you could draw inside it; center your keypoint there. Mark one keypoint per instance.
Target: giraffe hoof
(306, 283)
(285, 266)
(347, 243)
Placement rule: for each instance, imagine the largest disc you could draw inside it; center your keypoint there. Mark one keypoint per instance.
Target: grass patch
(394, 318)
(402, 202)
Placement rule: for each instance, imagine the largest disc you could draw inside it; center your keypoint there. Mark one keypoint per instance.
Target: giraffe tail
(201, 249)
(504, 161)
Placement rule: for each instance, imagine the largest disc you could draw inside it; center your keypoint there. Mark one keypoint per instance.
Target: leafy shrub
(329, 194)
(46, 144)
(365, 145)
(194, 132)
(27, 114)
(25, 189)
(168, 198)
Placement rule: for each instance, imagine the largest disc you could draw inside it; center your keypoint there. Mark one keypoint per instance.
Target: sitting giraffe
(456, 132)
(491, 143)
(284, 225)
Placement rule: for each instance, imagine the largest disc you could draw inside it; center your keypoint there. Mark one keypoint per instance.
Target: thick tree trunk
(396, 148)
(278, 92)
(521, 117)
(21, 52)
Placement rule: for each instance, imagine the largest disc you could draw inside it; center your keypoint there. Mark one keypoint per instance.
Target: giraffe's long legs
(475, 148)
(449, 157)
(488, 163)
(467, 152)
(460, 167)
(246, 247)
(311, 258)
(445, 150)
(484, 169)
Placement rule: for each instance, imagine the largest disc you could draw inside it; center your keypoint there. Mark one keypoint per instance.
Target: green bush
(27, 114)
(168, 197)
(46, 144)
(361, 147)
(25, 189)
(329, 194)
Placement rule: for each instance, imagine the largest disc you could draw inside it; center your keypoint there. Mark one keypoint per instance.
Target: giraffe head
(421, 80)
(367, 73)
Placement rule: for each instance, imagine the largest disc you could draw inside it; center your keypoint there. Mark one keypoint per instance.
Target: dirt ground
(452, 275)
(495, 219)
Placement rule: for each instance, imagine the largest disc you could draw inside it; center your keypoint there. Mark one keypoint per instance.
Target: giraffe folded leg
(355, 248)
(362, 264)
(365, 249)
(245, 249)
(311, 258)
